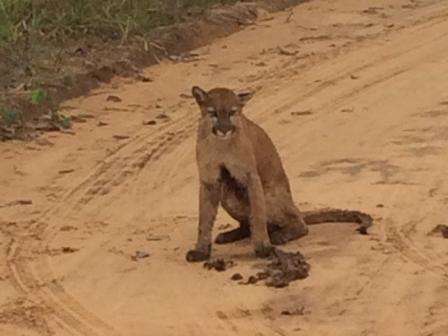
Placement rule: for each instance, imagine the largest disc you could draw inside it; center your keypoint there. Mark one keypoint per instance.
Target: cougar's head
(221, 109)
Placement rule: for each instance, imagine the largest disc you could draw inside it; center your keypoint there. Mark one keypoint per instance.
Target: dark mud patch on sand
(281, 269)
(219, 265)
(440, 230)
(286, 267)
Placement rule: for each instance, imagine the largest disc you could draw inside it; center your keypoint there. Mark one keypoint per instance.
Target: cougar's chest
(217, 156)
(231, 184)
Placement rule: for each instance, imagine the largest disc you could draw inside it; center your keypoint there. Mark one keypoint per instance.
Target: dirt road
(354, 95)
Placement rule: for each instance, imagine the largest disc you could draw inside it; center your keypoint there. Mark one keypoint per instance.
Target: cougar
(240, 169)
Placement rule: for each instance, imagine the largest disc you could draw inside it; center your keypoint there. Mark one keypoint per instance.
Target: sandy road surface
(356, 101)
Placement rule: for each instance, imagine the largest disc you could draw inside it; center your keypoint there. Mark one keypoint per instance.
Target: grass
(38, 39)
(9, 117)
(114, 19)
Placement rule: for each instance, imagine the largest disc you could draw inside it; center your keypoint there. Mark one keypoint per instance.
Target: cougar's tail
(339, 216)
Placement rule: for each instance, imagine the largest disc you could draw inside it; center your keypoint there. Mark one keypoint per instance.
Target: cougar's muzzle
(223, 126)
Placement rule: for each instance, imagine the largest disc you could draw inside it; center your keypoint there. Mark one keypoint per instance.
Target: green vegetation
(61, 120)
(9, 117)
(45, 43)
(59, 19)
(15, 118)
(38, 96)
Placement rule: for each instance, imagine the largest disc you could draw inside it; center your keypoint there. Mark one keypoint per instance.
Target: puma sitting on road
(239, 168)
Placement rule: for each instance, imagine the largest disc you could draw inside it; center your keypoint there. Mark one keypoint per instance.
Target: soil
(285, 268)
(387, 66)
(219, 264)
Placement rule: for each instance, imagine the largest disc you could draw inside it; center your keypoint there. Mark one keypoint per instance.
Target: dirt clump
(113, 99)
(285, 268)
(252, 280)
(236, 277)
(68, 249)
(294, 312)
(440, 229)
(219, 264)
(140, 255)
(282, 268)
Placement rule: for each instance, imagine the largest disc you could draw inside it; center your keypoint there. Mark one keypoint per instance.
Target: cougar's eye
(212, 111)
(233, 110)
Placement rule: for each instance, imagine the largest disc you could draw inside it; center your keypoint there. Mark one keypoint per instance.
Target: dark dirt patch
(285, 268)
(440, 229)
(236, 277)
(252, 280)
(62, 250)
(282, 269)
(120, 137)
(149, 122)
(219, 265)
(114, 99)
(294, 312)
(17, 202)
(302, 113)
(66, 171)
(68, 228)
(140, 255)
(315, 38)
(68, 249)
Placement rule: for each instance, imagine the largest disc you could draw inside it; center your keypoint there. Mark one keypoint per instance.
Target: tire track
(129, 160)
(380, 61)
(142, 152)
(141, 158)
(49, 291)
(405, 247)
(25, 282)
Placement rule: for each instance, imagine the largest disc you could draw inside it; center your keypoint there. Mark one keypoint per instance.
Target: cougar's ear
(199, 94)
(244, 97)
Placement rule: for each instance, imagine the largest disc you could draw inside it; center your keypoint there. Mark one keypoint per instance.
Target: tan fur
(243, 172)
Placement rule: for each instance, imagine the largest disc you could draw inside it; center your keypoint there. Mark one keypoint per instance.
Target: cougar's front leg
(209, 195)
(258, 218)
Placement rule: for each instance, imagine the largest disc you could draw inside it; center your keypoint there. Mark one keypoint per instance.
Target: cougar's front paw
(197, 256)
(264, 250)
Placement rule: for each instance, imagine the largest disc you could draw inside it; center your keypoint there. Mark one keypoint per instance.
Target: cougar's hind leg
(240, 233)
(286, 234)
(237, 206)
(294, 227)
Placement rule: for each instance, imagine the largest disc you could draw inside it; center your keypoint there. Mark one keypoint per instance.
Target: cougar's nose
(223, 132)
